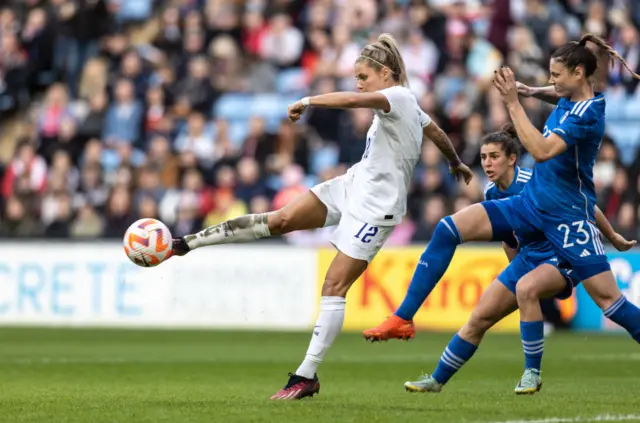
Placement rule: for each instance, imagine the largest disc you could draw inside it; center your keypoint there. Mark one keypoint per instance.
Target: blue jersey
(534, 250)
(565, 182)
(536, 247)
(520, 178)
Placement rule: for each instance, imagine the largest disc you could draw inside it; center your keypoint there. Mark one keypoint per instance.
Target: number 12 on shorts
(366, 233)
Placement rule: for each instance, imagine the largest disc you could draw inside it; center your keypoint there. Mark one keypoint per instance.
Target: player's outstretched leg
(342, 272)
(431, 266)
(495, 304)
(473, 223)
(304, 212)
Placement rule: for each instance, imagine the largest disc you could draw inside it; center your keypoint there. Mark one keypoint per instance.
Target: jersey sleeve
(572, 128)
(425, 119)
(398, 98)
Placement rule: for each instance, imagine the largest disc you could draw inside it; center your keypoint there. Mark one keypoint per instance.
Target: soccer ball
(147, 242)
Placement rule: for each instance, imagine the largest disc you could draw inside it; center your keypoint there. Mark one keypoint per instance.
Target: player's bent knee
(526, 290)
(472, 224)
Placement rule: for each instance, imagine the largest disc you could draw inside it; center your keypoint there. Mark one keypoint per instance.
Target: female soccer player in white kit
(365, 203)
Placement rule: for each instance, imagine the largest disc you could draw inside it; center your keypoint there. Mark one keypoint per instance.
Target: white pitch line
(601, 418)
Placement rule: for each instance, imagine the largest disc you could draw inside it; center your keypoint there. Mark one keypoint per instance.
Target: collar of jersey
(513, 181)
(597, 96)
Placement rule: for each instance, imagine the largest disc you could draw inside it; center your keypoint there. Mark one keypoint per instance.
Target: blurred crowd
(176, 108)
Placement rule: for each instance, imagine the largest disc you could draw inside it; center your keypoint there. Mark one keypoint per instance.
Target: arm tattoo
(442, 141)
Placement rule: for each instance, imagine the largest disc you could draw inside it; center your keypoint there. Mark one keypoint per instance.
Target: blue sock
(453, 358)
(626, 315)
(432, 265)
(533, 343)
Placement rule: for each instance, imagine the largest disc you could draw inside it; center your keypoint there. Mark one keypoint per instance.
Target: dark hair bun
(510, 130)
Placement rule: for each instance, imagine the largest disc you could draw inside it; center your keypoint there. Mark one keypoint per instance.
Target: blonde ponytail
(385, 53)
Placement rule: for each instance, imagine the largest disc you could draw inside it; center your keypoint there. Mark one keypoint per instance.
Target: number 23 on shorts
(581, 233)
(366, 233)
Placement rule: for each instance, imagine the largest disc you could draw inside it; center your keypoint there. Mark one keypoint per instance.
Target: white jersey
(380, 181)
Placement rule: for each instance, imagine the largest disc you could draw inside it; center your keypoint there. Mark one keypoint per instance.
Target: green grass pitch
(94, 375)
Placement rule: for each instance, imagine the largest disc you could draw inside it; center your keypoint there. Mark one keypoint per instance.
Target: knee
(526, 291)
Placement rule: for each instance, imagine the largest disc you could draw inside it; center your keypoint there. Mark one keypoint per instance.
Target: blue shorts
(521, 265)
(575, 240)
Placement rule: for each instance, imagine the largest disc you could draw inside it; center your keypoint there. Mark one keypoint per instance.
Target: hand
(296, 110)
(621, 243)
(525, 90)
(461, 171)
(505, 82)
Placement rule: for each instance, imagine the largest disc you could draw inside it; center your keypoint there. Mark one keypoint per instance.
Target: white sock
(326, 331)
(242, 229)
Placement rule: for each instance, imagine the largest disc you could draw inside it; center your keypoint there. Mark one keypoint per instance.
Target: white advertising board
(78, 284)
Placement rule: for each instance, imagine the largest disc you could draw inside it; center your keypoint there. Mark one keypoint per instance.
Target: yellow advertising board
(380, 290)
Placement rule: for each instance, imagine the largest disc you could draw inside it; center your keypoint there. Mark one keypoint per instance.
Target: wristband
(305, 101)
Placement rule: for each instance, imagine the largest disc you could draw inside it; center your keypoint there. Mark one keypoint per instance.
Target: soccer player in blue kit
(534, 270)
(558, 203)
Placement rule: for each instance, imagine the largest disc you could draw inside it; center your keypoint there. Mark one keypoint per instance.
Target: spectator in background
(28, 166)
(84, 21)
(17, 222)
(132, 69)
(433, 210)
(13, 66)
(249, 184)
(282, 43)
(527, 56)
(628, 46)
(225, 204)
(169, 37)
(161, 160)
(92, 191)
(55, 109)
(196, 87)
(91, 123)
(227, 61)
(292, 186)
(62, 166)
(123, 121)
(156, 110)
(197, 138)
(87, 224)
(188, 201)
(421, 57)
(38, 41)
(119, 213)
(94, 80)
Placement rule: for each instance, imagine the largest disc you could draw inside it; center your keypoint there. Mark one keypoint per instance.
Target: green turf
(52, 375)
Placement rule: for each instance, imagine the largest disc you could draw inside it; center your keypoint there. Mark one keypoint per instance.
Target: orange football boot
(392, 328)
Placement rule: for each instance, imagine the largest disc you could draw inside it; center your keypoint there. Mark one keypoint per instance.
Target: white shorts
(353, 237)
